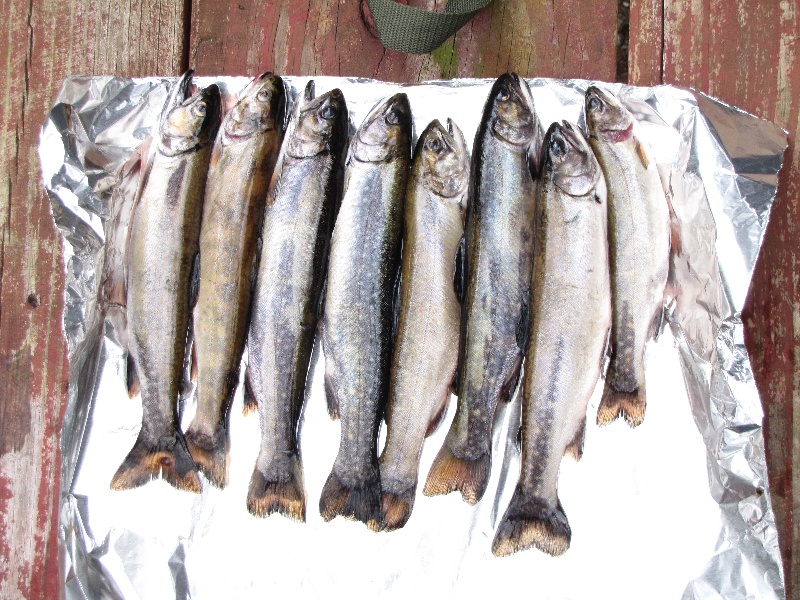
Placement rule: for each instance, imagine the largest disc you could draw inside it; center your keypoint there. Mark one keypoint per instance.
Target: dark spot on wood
(33, 300)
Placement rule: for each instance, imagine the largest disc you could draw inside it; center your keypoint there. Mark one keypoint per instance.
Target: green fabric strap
(417, 31)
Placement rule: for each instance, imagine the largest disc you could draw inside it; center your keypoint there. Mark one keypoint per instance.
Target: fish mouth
(178, 94)
(335, 97)
(573, 136)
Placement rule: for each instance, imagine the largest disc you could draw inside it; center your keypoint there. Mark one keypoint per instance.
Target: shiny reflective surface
(678, 507)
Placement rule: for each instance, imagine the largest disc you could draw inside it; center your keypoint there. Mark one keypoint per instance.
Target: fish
(303, 201)
(426, 344)
(639, 241)
(569, 324)
(163, 246)
(498, 250)
(242, 163)
(358, 319)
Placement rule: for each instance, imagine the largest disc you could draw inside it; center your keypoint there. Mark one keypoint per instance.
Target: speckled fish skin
(498, 253)
(639, 241)
(426, 345)
(570, 319)
(163, 247)
(297, 229)
(242, 163)
(358, 319)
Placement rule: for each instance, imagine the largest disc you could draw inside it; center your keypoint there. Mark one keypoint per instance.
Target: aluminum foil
(678, 507)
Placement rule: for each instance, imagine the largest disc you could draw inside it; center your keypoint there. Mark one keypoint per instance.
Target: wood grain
(537, 38)
(746, 53)
(47, 40)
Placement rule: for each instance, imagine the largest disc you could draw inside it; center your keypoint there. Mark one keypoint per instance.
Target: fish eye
(392, 118)
(558, 148)
(435, 145)
(263, 95)
(327, 113)
(503, 95)
(199, 109)
(595, 103)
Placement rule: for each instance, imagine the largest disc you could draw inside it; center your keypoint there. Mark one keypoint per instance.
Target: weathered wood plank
(645, 49)
(537, 38)
(746, 53)
(45, 41)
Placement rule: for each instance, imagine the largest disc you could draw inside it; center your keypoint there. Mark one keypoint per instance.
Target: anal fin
(132, 377)
(575, 447)
(250, 402)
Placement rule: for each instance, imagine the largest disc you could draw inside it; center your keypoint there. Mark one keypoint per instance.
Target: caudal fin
(450, 473)
(166, 458)
(396, 508)
(360, 502)
(532, 522)
(211, 454)
(283, 492)
(614, 404)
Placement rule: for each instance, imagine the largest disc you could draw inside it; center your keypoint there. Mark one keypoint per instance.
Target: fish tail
(450, 473)
(530, 522)
(283, 492)
(165, 457)
(396, 508)
(210, 453)
(361, 501)
(616, 403)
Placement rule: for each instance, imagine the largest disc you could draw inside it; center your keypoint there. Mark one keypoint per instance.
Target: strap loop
(417, 31)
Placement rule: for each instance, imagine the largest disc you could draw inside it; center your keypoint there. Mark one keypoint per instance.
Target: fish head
(606, 117)
(511, 105)
(569, 161)
(445, 160)
(385, 133)
(319, 121)
(190, 123)
(260, 108)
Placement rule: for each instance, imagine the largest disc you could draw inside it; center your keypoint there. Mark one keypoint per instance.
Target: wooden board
(748, 54)
(537, 38)
(44, 41)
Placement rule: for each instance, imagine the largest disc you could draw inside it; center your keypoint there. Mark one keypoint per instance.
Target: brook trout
(497, 266)
(570, 318)
(244, 157)
(163, 247)
(302, 207)
(426, 345)
(358, 320)
(639, 242)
